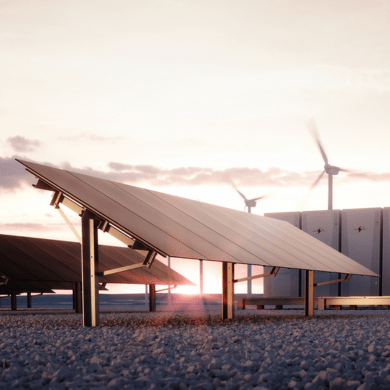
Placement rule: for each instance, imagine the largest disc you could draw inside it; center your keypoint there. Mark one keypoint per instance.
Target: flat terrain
(195, 349)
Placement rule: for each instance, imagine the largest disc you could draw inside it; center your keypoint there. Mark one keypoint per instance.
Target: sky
(186, 97)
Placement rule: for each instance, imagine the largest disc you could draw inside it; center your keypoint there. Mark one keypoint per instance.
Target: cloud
(22, 144)
(92, 137)
(196, 176)
(13, 175)
(370, 176)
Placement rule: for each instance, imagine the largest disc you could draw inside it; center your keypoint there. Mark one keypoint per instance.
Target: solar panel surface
(184, 228)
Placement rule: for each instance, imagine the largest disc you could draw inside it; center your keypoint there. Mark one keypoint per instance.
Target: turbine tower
(330, 170)
(249, 203)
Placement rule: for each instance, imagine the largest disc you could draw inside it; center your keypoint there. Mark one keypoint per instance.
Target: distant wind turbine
(330, 170)
(249, 203)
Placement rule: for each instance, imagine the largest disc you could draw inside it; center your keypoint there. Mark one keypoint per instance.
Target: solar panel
(35, 264)
(184, 228)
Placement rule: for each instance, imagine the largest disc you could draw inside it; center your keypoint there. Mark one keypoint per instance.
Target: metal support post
(152, 297)
(77, 298)
(201, 277)
(300, 288)
(29, 300)
(74, 297)
(89, 256)
(169, 290)
(309, 293)
(321, 304)
(249, 292)
(13, 300)
(227, 291)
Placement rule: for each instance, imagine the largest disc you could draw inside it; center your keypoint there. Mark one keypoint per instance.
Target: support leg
(152, 297)
(241, 304)
(13, 300)
(321, 304)
(201, 276)
(74, 297)
(77, 298)
(227, 291)
(300, 287)
(309, 293)
(89, 255)
(169, 291)
(249, 291)
(29, 300)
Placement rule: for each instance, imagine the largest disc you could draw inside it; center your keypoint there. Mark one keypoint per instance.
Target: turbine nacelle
(250, 203)
(331, 169)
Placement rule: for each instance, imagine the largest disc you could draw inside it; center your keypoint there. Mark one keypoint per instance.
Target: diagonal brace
(59, 198)
(273, 273)
(346, 279)
(146, 263)
(69, 223)
(165, 289)
(4, 279)
(120, 269)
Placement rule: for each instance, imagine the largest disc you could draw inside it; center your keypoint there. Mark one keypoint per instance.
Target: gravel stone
(179, 351)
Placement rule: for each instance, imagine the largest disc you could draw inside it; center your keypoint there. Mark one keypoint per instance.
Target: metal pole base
(309, 293)
(227, 291)
(13, 301)
(152, 297)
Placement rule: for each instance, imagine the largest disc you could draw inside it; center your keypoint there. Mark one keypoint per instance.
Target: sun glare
(188, 290)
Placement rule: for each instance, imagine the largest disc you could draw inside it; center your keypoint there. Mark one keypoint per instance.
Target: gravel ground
(267, 350)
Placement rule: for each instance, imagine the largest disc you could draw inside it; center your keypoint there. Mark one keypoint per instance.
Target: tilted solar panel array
(184, 228)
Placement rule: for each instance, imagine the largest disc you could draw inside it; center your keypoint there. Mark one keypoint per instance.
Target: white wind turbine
(330, 170)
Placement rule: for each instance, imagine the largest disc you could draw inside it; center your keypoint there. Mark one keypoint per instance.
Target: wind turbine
(330, 170)
(249, 203)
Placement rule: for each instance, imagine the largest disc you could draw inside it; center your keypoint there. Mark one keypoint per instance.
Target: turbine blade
(314, 185)
(241, 194)
(313, 129)
(260, 197)
(302, 204)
